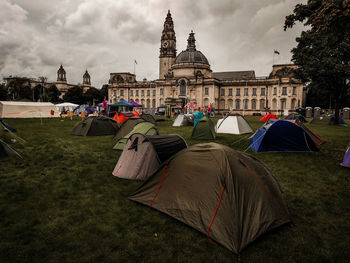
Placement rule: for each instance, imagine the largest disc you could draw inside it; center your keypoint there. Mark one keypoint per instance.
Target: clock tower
(167, 47)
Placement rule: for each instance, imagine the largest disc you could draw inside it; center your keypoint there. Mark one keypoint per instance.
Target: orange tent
(268, 116)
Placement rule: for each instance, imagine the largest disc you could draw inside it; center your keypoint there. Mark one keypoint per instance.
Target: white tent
(233, 125)
(66, 105)
(21, 109)
(183, 120)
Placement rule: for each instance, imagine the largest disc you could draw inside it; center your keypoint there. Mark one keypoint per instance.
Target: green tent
(127, 127)
(146, 128)
(230, 196)
(7, 150)
(204, 130)
(96, 126)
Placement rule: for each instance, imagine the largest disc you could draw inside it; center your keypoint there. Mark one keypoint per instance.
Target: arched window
(206, 102)
(283, 104)
(245, 104)
(148, 103)
(143, 102)
(230, 104)
(137, 101)
(182, 87)
(238, 104)
(262, 104)
(293, 104)
(274, 104)
(153, 103)
(222, 104)
(253, 104)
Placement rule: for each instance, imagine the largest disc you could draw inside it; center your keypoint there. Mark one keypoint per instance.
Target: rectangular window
(206, 91)
(148, 92)
(161, 92)
(284, 91)
(262, 91)
(238, 92)
(254, 91)
(122, 93)
(131, 93)
(114, 93)
(230, 92)
(245, 91)
(154, 94)
(137, 92)
(274, 91)
(294, 91)
(142, 92)
(222, 92)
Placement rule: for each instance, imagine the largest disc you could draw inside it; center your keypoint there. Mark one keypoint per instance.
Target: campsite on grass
(205, 200)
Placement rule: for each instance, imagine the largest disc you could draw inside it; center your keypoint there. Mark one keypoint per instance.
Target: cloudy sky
(106, 36)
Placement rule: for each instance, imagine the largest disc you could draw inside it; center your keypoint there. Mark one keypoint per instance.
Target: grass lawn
(62, 204)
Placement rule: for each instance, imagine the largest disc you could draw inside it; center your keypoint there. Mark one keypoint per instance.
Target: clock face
(165, 44)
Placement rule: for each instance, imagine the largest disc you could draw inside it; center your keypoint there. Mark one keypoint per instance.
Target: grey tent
(127, 127)
(230, 196)
(96, 126)
(148, 117)
(184, 120)
(143, 154)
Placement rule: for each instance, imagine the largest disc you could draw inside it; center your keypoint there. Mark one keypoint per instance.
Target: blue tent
(197, 115)
(83, 108)
(282, 136)
(124, 101)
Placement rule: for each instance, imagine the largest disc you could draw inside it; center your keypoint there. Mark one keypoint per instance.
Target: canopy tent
(294, 116)
(135, 104)
(346, 160)
(127, 127)
(21, 109)
(204, 130)
(148, 117)
(184, 120)
(120, 107)
(281, 135)
(124, 101)
(228, 195)
(83, 108)
(66, 106)
(233, 124)
(143, 155)
(146, 128)
(197, 115)
(96, 126)
(268, 116)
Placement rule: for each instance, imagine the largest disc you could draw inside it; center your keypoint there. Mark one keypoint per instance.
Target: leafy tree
(3, 92)
(323, 50)
(53, 94)
(25, 92)
(74, 95)
(93, 95)
(104, 91)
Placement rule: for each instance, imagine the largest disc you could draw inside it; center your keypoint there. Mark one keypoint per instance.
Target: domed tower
(191, 62)
(167, 46)
(86, 78)
(61, 74)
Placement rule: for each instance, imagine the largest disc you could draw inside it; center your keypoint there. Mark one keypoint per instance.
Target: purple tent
(346, 161)
(135, 104)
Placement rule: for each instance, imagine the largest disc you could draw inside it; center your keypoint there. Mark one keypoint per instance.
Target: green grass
(62, 204)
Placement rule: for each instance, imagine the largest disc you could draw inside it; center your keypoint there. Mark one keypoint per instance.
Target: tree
(3, 92)
(323, 50)
(74, 95)
(93, 94)
(104, 91)
(54, 94)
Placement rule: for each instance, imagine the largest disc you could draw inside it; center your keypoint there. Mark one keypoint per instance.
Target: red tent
(123, 116)
(268, 116)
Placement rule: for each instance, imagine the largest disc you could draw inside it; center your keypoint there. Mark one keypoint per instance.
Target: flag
(276, 52)
(135, 61)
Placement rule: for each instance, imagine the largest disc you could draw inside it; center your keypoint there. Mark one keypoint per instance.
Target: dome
(191, 55)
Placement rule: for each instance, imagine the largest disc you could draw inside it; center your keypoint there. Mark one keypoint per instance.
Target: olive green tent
(7, 150)
(204, 130)
(148, 117)
(96, 126)
(146, 128)
(230, 196)
(127, 127)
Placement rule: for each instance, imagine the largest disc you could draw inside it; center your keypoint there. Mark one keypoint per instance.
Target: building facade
(186, 79)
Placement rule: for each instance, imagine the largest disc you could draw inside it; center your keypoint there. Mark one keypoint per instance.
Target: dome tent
(281, 135)
(184, 120)
(204, 130)
(233, 124)
(268, 116)
(146, 128)
(346, 160)
(143, 154)
(228, 195)
(95, 126)
(127, 127)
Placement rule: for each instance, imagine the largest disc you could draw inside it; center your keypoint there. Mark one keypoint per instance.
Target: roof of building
(234, 75)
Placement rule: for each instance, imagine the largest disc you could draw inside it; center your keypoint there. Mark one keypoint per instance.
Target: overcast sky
(106, 36)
